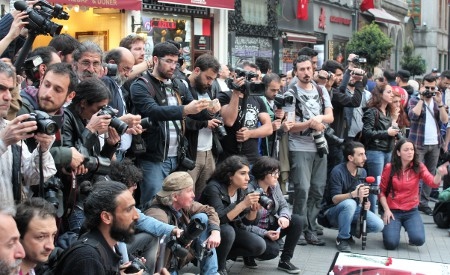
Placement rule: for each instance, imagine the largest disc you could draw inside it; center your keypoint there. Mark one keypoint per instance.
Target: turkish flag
(366, 5)
(302, 10)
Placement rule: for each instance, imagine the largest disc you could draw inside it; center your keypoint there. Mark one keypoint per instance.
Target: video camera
(264, 200)
(249, 88)
(373, 188)
(120, 126)
(358, 60)
(192, 232)
(45, 123)
(283, 101)
(39, 18)
(429, 93)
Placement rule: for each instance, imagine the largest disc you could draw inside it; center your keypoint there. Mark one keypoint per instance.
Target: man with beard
(124, 60)
(165, 102)
(11, 250)
(36, 221)
(307, 158)
(87, 60)
(111, 217)
(201, 134)
(345, 194)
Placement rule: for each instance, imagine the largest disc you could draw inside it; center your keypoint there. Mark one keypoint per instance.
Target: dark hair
(332, 66)
(445, 74)
(92, 90)
(33, 207)
(125, 171)
(389, 75)
(207, 61)
(114, 55)
(64, 69)
(268, 78)
(349, 148)
(103, 197)
(263, 166)
(308, 52)
(165, 48)
(396, 162)
(377, 93)
(176, 44)
(45, 53)
(300, 59)
(263, 64)
(87, 47)
(429, 78)
(228, 167)
(129, 40)
(64, 43)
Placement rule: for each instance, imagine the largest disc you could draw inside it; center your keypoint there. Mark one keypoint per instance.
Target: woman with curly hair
(399, 116)
(399, 194)
(379, 133)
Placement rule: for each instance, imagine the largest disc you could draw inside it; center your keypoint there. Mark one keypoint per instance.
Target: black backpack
(441, 214)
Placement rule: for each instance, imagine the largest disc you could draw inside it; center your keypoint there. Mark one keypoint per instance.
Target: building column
(221, 35)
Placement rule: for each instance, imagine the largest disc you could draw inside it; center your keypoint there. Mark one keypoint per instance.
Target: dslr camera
(95, 164)
(39, 19)
(52, 189)
(249, 88)
(111, 69)
(136, 266)
(264, 200)
(332, 139)
(192, 232)
(429, 93)
(116, 123)
(358, 60)
(45, 123)
(220, 129)
(320, 142)
(283, 101)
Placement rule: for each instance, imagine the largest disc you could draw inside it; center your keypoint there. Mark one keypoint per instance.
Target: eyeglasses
(169, 61)
(87, 64)
(275, 174)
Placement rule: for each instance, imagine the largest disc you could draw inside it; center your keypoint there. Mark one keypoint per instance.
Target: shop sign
(163, 24)
(112, 4)
(218, 4)
(340, 20)
(202, 42)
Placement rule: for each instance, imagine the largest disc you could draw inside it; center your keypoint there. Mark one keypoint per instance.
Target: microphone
(370, 180)
(20, 5)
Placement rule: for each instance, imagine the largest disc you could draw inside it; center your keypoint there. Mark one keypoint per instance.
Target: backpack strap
(16, 172)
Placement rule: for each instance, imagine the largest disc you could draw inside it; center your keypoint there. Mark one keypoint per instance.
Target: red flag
(302, 10)
(366, 5)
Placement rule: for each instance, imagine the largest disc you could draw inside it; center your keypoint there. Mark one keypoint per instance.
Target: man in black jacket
(165, 102)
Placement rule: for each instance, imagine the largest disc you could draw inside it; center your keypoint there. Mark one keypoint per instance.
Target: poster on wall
(248, 48)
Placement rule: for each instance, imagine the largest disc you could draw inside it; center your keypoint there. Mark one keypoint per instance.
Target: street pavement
(314, 260)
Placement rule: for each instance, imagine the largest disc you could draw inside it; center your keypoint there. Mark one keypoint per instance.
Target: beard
(119, 79)
(121, 234)
(8, 269)
(202, 88)
(165, 75)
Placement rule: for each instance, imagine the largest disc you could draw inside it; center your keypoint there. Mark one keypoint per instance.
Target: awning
(382, 16)
(112, 4)
(303, 38)
(215, 4)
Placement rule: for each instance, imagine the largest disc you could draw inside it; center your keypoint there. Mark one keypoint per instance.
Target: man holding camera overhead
(14, 154)
(175, 205)
(166, 102)
(426, 114)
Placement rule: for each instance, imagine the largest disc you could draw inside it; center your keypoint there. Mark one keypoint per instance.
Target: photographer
(274, 220)
(175, 205)
(87, 60)
(35, 66)
(12, 26)
(16, 162)
(241, 119)
(344, 196)
(426, 115)
(399, 191)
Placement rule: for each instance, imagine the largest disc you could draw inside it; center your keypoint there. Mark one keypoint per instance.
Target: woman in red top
(399, 194)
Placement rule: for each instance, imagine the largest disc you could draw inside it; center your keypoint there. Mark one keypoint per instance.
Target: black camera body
(243, 73)
(220, 129)
(249, 88)
(429, 93)
(45, 123)
(358, 60)
(52, 187)
(373, 188)
(135, 266)
(320, 142)
(264, 200)
(332, 139)
(283, 101)
(146, 123)
(39, 18)
(111, 69)
(192, 232)
(96, 164)
(120, 126)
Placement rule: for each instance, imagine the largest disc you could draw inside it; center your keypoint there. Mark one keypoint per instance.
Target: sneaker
(351, 241)
(311, 238)
(301, 240)
(249, 262)
(342, 245)
(288, 267)
(319, 231)
(426, 209)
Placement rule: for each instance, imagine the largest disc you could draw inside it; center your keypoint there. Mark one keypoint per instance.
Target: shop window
(254, 12)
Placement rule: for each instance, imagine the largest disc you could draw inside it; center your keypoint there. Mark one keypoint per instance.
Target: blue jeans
(208, 265)
(411, 221)
(376, 160)
(154, 174)
(345, 215)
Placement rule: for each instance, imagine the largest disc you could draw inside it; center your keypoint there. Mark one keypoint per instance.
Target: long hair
(396, 162)
(376, 99)
(402, 119)
(228, 167)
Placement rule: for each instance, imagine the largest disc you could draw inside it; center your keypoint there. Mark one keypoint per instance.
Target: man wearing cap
(402, 81)
(175, 204)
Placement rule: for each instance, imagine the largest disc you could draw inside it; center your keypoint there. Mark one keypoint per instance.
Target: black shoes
(426, 210)
(311, 238)
(288, 267)
(343, 245)
(249, 262)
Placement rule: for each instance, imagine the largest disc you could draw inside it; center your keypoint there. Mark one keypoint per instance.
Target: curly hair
(376, 99)
(264, 166)
(126, 172)
(228, 167)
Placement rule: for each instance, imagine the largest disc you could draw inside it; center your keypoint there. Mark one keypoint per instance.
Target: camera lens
(120, 126)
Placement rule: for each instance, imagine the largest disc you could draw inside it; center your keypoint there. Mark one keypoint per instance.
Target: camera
(39, 18)
(31, 68)
(429, 93)
(116, 123)
(135, 266)
(264, 200)
(249, 88)
(52, 187)
(321, 143)
(220, 129)
(399, 134)
(332, 139)
(146, 123)
(281, 101)
(45, 124)
(247, 74)
(373, 188)
(95, 164)
(358, 60)
(178, 246)
(187, 163)
(111, 69)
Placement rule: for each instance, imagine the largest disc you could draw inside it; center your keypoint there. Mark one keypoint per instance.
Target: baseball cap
(175, 182)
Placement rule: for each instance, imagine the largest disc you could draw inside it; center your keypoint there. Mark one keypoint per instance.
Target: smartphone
(290, 117)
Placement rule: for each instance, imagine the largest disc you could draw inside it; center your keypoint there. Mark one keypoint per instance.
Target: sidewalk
(313, 260)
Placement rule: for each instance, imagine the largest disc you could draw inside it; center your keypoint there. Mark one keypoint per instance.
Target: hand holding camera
(18, 129)
(393, 131)
(99, 123)
(251, 199)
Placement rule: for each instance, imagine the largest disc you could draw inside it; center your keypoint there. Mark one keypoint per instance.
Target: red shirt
(405, 187)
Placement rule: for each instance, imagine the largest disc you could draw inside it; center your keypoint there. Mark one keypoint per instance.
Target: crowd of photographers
(82, 130)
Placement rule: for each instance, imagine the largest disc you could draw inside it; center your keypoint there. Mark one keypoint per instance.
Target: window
(415, 10)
